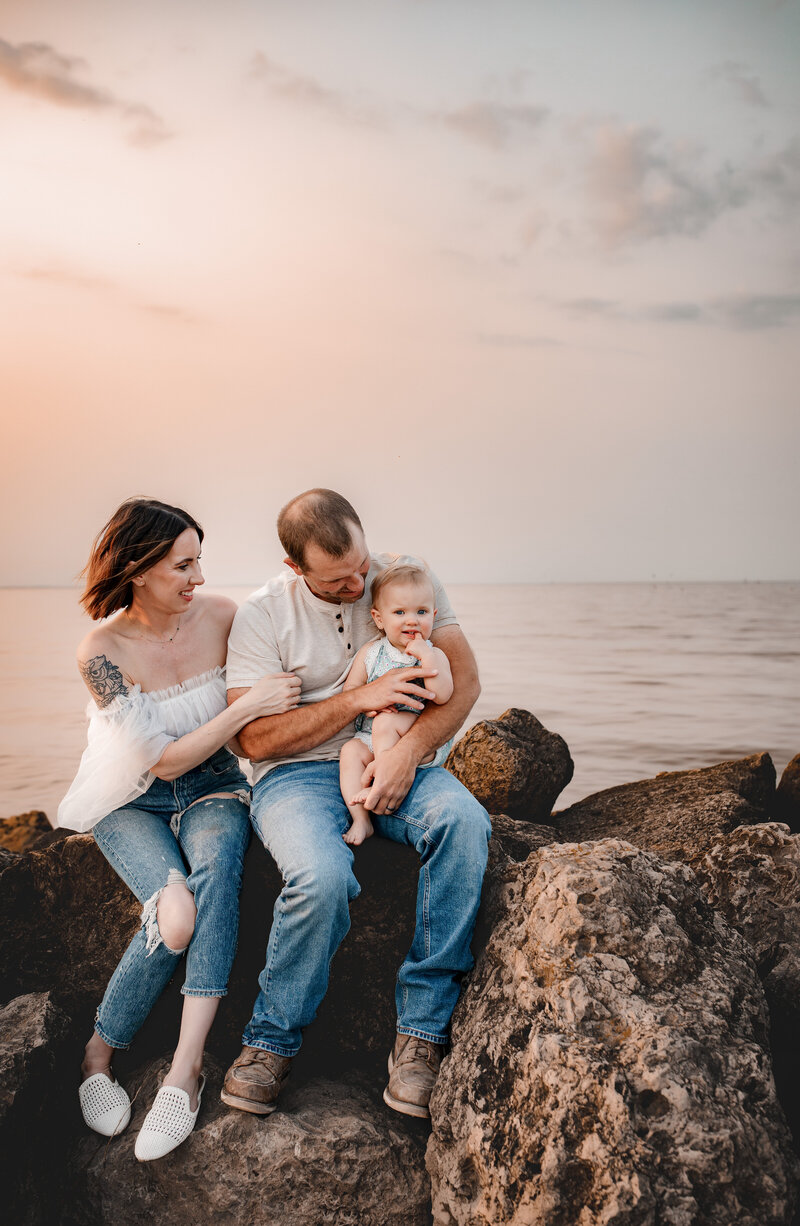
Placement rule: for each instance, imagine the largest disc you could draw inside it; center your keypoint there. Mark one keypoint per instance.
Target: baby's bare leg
(354, 757)
(389, 726)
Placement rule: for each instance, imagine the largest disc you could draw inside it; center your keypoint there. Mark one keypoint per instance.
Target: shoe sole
(247, 1104)
(397, 1104)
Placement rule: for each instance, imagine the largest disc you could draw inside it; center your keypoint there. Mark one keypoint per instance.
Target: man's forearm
(276, 736)
(436, 724)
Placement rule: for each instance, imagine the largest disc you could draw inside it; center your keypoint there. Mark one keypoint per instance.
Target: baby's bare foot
(357, 833)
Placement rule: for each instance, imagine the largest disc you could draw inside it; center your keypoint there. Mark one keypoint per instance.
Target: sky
(519, 278)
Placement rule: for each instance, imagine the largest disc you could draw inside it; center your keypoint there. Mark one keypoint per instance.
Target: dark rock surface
(787, 797)
(34, 1111)
(513, 765)
(610, 1059)
(677, 814)
(332, 1153)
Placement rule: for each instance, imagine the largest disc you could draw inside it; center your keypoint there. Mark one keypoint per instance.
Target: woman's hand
(273, 694)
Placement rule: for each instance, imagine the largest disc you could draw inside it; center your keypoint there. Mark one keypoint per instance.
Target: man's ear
(293, 566)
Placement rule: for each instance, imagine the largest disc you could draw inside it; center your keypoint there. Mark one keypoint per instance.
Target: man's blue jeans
(298, 813)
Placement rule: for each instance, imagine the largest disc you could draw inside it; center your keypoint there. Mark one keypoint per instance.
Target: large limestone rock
(680, 814)
(513, 765)
(332, 1153)
(609, 1060)
(752, 876)
(787, 797)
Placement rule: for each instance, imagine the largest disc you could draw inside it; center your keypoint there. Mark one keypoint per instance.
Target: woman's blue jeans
(172, 834)
(298, 813)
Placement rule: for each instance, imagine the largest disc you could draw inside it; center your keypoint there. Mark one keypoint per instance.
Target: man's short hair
(320, 516)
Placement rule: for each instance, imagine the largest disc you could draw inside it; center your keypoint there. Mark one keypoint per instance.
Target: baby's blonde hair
(401, 571)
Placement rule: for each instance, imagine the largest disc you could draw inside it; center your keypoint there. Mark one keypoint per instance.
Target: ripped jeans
(166, 837)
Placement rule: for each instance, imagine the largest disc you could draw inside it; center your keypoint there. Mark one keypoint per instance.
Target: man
(311, 621)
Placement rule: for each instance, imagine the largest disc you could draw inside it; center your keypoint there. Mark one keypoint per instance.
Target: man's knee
(459, 819)
(325, 885)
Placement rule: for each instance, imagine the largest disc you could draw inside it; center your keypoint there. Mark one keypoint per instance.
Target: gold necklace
(147, 639)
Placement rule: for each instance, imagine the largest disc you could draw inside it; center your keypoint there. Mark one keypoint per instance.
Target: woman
(163, 796)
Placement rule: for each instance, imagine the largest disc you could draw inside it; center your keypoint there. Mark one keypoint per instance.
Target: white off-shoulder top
(127, 738)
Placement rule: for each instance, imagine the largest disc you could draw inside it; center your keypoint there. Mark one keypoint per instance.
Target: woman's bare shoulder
(102, 663)
(219, 609)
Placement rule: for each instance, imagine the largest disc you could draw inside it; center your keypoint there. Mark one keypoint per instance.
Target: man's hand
(397, 687)
(388, 778)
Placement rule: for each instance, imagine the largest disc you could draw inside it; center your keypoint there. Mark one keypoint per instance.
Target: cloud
(38, 70)
(65, 276)
(742, 312)
(753, 312)
(744, 84)
(593, 306)
(513, 340)
(309, 93)
(640, 186)
(776, 176)
(71, 278)
(493, 124)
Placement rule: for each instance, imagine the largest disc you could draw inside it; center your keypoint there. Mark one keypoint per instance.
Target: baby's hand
(418, 648)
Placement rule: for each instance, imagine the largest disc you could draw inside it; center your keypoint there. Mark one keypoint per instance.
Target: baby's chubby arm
(358, 669)
(440, 687)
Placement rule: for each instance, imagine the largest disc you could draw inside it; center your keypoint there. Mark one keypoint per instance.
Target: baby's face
(404, 610)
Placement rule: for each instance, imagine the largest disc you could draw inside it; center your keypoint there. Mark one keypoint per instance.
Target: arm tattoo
(104, 679)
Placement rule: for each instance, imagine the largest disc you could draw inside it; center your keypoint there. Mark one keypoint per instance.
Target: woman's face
(171, 582)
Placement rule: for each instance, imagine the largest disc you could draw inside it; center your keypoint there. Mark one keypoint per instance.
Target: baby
(402, 608)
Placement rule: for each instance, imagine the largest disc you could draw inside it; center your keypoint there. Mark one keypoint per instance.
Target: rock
(27, 831)
(786, 806)
(752, 876)
(609, 1059)
(332, 1153)
(678, 814)
(513, 765)
(517, 839)
(85, 916)
(34, 1110)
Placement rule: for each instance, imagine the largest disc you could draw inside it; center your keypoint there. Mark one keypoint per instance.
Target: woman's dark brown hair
(140, 533)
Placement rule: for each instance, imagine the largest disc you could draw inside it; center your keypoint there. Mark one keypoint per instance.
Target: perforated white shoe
(105, 1105)
(168, 1122)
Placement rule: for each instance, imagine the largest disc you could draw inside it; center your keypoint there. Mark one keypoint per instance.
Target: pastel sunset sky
(521, 278)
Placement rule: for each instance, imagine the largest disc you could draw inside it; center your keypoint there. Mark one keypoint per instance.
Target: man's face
(336, 580)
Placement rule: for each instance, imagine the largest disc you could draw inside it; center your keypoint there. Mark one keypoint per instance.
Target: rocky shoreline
(624, 1050)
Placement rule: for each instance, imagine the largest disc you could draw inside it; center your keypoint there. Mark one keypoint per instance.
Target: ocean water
(638, 678)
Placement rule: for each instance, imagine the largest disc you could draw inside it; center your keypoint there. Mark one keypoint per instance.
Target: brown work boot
(413, 1069)
(254, 1080)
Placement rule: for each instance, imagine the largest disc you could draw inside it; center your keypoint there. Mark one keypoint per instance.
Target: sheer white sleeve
(125, 740)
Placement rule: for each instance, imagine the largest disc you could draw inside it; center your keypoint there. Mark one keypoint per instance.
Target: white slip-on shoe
(168, 1122)
(105, 1105)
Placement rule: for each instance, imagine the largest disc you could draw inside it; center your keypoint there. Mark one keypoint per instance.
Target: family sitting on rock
(176, 678)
